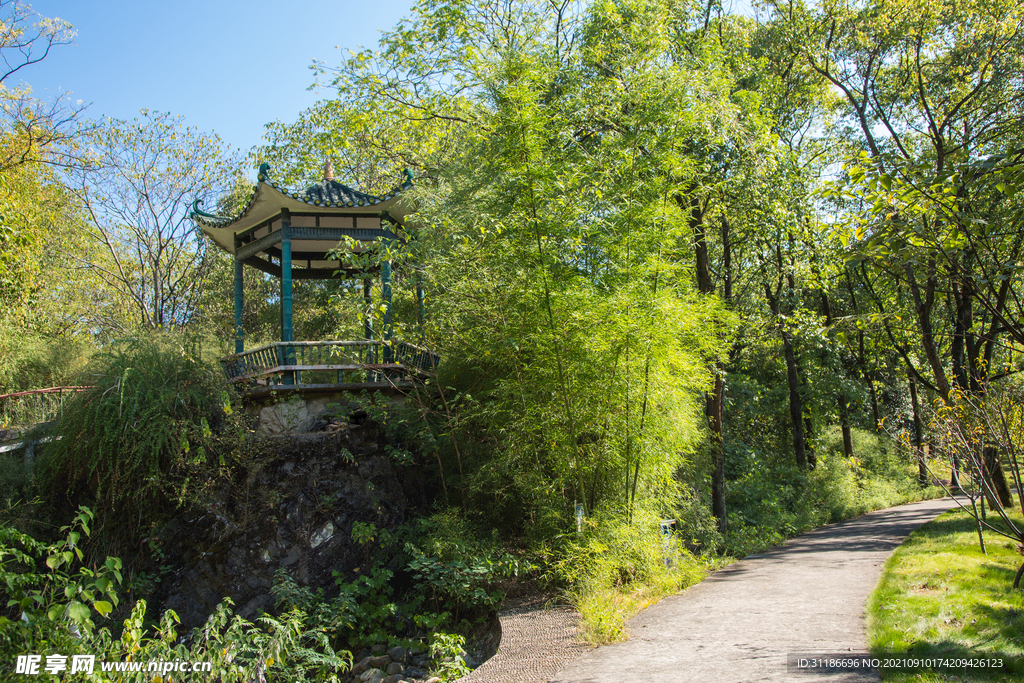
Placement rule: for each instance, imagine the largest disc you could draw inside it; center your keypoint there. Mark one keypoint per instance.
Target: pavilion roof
(326, 198)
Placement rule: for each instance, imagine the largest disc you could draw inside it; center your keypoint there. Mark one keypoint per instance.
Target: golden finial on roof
(328, 171)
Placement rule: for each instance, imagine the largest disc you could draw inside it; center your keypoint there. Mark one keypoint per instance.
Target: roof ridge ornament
(328, 171)
(409, 175)
(264, 172)
(196, 211)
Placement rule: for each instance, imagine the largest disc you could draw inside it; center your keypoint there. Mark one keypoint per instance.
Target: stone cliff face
(291, 507)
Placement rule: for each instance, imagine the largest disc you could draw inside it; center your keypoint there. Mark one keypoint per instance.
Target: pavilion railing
(26, 408)
(275, 363)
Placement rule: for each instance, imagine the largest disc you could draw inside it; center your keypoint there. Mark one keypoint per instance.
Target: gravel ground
(536, 641)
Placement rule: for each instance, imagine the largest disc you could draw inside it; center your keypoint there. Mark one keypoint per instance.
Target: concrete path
(751, 620)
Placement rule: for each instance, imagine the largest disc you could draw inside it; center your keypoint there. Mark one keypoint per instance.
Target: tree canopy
(666, 248)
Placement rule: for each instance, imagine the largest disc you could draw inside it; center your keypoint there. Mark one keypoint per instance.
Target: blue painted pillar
(239, 294)
(368, 325)
(420, 307)
(385, 282)
(286, 292)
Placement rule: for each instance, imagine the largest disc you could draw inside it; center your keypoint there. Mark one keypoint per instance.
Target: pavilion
(289, 235)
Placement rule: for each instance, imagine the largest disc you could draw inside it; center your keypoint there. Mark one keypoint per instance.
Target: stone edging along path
(743, 623)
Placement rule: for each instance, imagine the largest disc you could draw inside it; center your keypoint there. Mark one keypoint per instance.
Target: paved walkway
(744, 622)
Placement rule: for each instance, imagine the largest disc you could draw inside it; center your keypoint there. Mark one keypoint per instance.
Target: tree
(29, 134)
(137, 188)
(37, 130)
(555, 257)
(45, 303)
(933, 99)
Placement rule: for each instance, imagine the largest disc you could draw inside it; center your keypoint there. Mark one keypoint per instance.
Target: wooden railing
(25, 408)
(372, 361)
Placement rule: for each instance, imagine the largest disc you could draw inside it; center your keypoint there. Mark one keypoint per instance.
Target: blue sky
(227, 66)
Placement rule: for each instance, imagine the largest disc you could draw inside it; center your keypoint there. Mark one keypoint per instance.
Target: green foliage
(463, 586)
(615, 202)
(365, 533)
(881, 475)
(446, 656)
(56, 603)
(448, 579)
(551, 245)
(47, 303)
(42, 290)
(772, 500)
(374, 615)
(616, 567)
(49, 588)
(156, 422)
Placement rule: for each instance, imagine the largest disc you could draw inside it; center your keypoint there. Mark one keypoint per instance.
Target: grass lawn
(940, 597)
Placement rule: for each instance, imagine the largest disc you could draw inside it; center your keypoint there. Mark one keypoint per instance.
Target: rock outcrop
(291, 506)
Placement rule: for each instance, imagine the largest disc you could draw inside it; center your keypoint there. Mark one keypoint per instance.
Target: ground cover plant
(940, 596)
(58, 603)
(615, 568)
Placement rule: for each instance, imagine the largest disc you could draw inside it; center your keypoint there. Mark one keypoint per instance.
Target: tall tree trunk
(808, 428)
(844, 420)
(873, 394)
(727, 277)
(796, 404)
(922, 466)
(712, 400)
(958, 348)
(713, 410)
(700, 246)
(923, 309)
(862, 361)
(995, 477)
(812, 458)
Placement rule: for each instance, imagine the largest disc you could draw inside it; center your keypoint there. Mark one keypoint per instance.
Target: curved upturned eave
(267, 201)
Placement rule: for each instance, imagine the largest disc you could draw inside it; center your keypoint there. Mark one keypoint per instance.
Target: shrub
(616, 567)
(55, 604)
(51, 595)
(774, 500)
(446, 655)
(30, 359)
(157, 418)
(433, 572)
